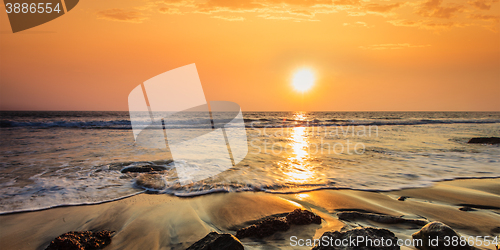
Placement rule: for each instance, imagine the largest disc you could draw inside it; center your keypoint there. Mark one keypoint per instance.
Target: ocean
(54, 159)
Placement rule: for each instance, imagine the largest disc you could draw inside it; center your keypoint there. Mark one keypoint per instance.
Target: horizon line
(263, 111)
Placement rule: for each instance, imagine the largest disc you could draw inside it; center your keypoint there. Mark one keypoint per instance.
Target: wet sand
(149, 221)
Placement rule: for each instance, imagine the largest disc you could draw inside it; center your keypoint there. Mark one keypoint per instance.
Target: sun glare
(303, 80)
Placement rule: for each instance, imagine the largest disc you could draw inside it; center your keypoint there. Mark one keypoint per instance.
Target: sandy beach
(149, 221)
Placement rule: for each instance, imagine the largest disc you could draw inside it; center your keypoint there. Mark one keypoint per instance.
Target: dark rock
(303, 217)
(495, 230)
(381, 218)
(437, 230)
(367, 233)
(478, 206)
(143, 169)
(151, 181)
(216, 241)
(126, 176)
(403, 198)
(354, 209)
(137, 170)
(269, 226)
(84, 240)
(485, 140)
(119, 166)
(264, 228)
(162, 162)
(466, 208)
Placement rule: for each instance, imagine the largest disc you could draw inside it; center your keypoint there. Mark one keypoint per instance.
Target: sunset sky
(366, 55)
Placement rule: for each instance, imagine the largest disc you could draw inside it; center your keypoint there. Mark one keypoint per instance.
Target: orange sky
(368, 55)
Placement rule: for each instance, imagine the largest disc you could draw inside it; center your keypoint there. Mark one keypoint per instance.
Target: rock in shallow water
(381, 218)
(217, 241)
(438, 231)
(264, 228)
(485, 140)
(403, 198)
(466, 209)
(302, 217)
(151, 181)
(374, 235)
(270, 226)
(84, 240)
(143, 169)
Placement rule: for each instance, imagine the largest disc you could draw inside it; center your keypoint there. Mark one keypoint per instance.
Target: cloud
(302, 3)
(310, 10)
(212, 6)
(301, 13)
(358, 24)
(426, 24)
(178, 3)
(483, 4)
(382, 8)
(229, 18)
(121, 15)
(485, 17)
(347, 2)
(165, 10)
(293, 10)
(433, 8)
(392, 46)
(286, 18)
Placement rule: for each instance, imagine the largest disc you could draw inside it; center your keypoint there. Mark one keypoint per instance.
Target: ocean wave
(207, 190)
(114, 124)
(256, 123)
(73, 185)
(334, 122)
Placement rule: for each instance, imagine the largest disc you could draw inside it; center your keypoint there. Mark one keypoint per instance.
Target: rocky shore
(256, 220)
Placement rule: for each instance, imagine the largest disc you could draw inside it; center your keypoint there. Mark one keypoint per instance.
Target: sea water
(51, 159)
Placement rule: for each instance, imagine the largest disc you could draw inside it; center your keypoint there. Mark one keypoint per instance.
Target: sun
(303, 80)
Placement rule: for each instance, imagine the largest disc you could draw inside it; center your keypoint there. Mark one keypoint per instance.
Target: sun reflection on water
(297, 165)
(302, 196)
(299, 117)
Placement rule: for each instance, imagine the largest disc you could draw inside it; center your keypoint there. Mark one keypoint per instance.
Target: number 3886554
(32, 8)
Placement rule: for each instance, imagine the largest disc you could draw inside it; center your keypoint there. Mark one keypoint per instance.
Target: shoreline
(203, 193)
(158, 221)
